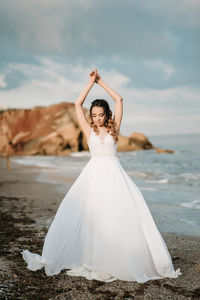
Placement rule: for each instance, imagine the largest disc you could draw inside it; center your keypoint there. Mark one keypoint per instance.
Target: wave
(36, 162)
(164, 180)
(148, 189)
(141, 174)
(194, 204)
(80, 154)
(189, 176)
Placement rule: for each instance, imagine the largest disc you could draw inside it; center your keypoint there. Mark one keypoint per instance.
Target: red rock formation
(52, 130)
(41, 130)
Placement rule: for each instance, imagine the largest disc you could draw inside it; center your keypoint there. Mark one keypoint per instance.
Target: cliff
(52, 130)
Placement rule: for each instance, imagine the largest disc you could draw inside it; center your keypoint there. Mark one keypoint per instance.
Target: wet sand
(27, 209)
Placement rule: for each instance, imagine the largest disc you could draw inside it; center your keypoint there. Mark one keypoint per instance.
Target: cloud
(165, 68)
(144, 109)
(184, 13)
(143, 29)
(154, 42)
(51, 82)
(39, 26)
(3, 83)
(147, 50)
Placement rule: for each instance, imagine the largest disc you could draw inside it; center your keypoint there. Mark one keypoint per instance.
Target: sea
(170, 183)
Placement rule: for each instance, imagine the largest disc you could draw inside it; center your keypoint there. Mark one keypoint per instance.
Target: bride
(103, 228)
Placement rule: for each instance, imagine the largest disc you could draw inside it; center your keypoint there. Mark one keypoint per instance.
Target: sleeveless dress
(103, 228)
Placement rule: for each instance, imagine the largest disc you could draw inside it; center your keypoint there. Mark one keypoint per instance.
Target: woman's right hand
(93, 76)
(98, 77)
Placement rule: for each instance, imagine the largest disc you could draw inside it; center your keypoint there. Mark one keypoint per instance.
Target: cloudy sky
(148, 51)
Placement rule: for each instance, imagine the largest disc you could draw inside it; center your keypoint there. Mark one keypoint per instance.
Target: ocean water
(170, 183)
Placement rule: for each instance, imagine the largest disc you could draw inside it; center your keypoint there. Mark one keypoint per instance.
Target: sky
(147, 51)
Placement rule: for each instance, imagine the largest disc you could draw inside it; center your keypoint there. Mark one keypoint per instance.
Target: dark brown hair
(109, 123)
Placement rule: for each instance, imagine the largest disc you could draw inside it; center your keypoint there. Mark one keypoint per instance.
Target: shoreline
(27, 209)
(61, 178)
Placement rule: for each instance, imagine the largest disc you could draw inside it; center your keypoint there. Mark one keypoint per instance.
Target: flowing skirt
(103, 230)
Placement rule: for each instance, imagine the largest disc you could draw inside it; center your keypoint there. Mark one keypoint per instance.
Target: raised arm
(85, 126)
(116, 97)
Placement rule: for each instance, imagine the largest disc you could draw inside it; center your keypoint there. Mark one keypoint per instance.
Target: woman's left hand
(93, 76)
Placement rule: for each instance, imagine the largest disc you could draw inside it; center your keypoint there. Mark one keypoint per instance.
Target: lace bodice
(99, 148)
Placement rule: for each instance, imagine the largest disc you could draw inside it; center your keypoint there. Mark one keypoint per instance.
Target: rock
(52, 130)
(126, 144)
(136, 141)
(141, 140)
(41, 130)
(160, 150)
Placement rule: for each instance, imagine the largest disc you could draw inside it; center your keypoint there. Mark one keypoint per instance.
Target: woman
(103, 228)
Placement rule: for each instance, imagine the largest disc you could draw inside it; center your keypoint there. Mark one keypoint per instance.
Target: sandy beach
(27, 209)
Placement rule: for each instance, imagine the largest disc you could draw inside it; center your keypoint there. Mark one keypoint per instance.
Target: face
(98, 116)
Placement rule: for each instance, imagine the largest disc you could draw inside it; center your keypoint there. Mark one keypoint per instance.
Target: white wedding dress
(103, 228)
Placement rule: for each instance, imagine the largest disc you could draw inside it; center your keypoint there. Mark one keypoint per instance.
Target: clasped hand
(94, 77)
